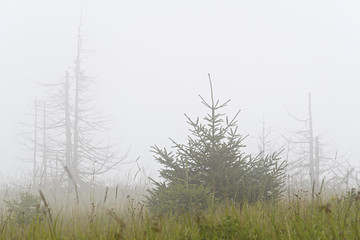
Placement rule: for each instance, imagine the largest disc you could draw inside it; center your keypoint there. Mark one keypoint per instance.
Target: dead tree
(34, 178)
(265, 144)
(70, 131)
(44, 148)
(311, 149)
(34, 141)
(307, 155)
(91, 156)
(75, 126)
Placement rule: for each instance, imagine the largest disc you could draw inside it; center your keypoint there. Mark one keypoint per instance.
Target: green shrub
(26, 208)
(225, 228)
(185, 198)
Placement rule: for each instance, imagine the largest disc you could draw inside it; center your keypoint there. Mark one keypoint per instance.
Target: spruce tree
(213, 167)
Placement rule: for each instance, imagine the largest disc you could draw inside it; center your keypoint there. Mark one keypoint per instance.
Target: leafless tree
(306, 153)
(266, 144)
(69, 130)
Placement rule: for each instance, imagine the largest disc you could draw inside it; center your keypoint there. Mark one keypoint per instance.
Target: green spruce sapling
(212, 167)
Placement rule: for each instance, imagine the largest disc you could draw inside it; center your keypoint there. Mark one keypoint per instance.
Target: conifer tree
(213, 163)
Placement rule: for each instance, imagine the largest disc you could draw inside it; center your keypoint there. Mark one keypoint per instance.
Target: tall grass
(295, 218)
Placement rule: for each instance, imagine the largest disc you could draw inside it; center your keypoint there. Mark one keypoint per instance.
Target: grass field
(295, 218)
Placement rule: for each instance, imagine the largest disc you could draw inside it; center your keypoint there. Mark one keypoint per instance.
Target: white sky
(152, 60)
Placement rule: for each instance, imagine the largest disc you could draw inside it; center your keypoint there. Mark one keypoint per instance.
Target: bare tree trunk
(263, 140)
(75, 162)
(317, 162)
(68, 143)
(264, 144)
(44, 145)
(311, 149)
(35, 148)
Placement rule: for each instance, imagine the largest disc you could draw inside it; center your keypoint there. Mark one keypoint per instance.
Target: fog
(151, 60)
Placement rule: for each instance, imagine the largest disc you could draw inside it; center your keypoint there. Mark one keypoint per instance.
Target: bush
(185, 198)
(213, 159)
(26, 208)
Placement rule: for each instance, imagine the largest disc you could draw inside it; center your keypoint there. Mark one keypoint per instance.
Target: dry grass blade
(106, 193)
(45, 204)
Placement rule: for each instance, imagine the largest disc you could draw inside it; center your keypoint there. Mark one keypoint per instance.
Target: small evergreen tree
(213, 166)
(25, 209)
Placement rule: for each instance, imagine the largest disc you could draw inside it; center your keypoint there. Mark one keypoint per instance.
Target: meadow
(292, 217)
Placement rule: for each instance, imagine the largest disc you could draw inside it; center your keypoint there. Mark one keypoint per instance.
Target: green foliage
(188, 198)
(293, 218)
(226, 228)
(213, 159)
(26, 208)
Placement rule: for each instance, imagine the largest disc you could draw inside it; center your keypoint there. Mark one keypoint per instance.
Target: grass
(287, 219)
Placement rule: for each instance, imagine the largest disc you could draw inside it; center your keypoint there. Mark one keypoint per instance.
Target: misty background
(150, 60)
